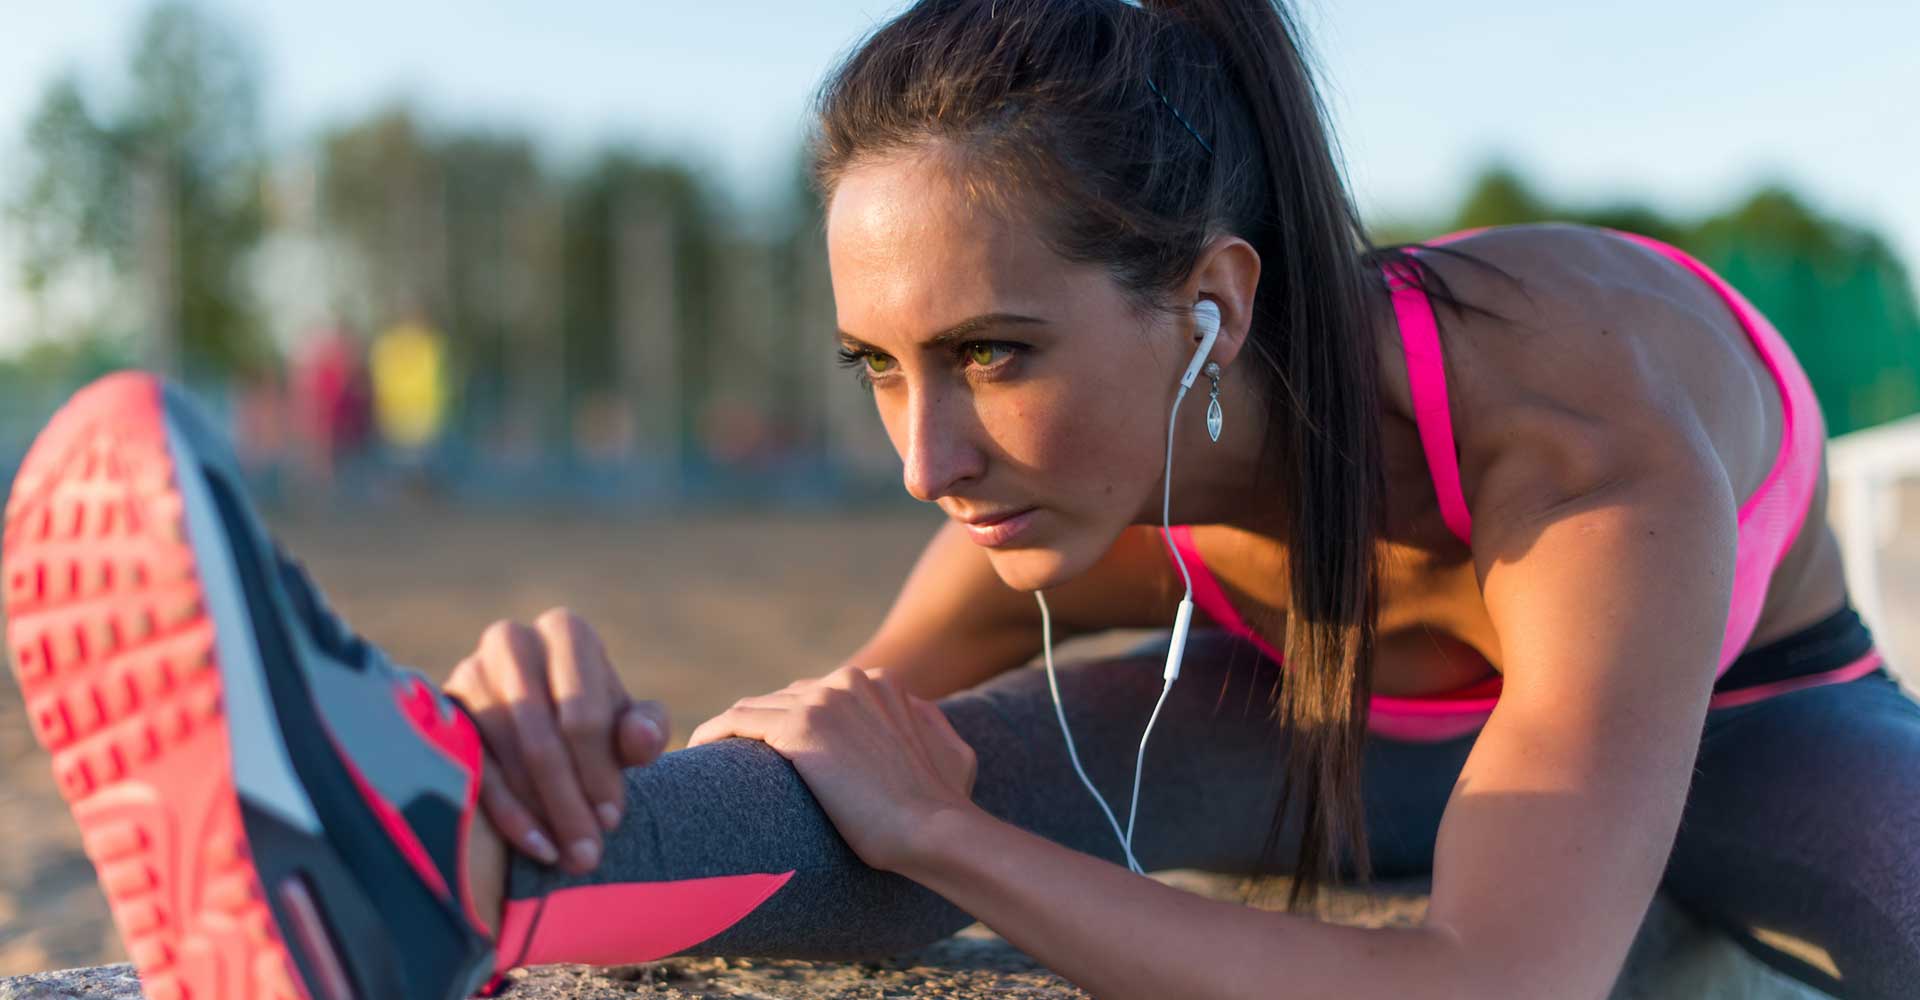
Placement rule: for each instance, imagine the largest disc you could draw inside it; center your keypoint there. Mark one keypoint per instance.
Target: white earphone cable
(1046, 638)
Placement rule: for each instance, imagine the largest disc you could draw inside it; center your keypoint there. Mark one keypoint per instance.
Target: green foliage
(75, 201)
(163, 188)
(1499, 197)
(379, 190)
(616, 186)
(1837, 292)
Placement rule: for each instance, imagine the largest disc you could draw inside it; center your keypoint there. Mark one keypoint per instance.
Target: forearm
(1119, 935)
(935, 667)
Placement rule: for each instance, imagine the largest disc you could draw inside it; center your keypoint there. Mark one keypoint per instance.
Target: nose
(938, 454)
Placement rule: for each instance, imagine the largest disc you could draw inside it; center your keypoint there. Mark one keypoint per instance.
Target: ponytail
(1322, 359)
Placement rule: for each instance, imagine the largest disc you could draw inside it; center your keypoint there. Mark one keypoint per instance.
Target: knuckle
(501, 643)
(582, 717)
(465, 679)
(497, 635)
(500, 795)
(559, 618)
(541, 749)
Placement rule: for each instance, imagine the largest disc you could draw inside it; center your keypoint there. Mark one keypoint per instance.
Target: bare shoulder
(1602, 357)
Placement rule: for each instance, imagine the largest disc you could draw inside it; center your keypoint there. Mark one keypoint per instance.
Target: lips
(1000, 529)
(981, 522)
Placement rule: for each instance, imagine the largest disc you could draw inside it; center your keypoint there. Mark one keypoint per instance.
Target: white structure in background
(1866, 467)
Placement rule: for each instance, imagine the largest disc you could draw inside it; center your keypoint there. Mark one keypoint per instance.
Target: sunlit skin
(1065, 410)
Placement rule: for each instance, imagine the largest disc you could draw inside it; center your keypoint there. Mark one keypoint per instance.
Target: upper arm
(1604, 540)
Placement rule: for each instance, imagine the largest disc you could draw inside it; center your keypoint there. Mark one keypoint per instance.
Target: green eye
(877, 363)
(981, 353)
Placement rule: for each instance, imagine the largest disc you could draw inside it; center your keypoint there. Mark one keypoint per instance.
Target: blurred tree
(164, 189)
(1498, 197)
(461, 231)
(1837, 292)
(641, 280)
(502, 246)
(380, 197)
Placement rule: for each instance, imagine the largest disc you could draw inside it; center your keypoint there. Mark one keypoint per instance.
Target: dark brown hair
(1097, 116)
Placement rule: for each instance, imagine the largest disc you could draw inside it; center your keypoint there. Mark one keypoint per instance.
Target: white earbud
(1206, 315)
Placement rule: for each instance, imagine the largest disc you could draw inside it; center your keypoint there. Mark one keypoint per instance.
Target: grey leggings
(1804, 813)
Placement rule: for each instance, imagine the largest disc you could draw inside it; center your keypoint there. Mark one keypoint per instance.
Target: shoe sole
(121, 667)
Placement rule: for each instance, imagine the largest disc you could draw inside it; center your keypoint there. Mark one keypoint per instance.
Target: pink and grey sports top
(1769, 520)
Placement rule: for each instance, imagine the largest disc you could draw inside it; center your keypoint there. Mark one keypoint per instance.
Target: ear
(1228, 272)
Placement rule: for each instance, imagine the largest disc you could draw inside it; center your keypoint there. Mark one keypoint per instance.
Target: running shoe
(274, 809)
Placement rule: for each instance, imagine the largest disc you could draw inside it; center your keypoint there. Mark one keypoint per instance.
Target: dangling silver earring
(1214, 416)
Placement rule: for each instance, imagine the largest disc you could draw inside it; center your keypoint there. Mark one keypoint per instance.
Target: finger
(581, 682)
(512, 819)
(715, 728)
(500, 748)
(845, 676)
(764, 724)
(549, 762)
(643, 733)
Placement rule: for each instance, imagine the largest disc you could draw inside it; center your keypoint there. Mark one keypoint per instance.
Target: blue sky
(1686, 105)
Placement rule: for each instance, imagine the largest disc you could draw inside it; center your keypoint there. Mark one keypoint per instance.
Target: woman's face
(1009, 380)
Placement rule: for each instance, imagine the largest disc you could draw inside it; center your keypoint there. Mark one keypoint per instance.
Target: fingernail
(540, 847)
(586, 853)
(609, 815)
(650, 727)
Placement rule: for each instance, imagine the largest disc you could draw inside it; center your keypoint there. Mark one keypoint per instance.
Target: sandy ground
(695, 611)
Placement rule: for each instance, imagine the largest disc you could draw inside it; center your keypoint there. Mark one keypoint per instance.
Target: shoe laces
(331, 633)
(323, 624)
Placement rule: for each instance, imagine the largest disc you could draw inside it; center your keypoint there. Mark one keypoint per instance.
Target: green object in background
(1838, 294)
(1849, 317)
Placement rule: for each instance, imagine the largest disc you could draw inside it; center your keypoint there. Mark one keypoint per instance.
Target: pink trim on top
(1425, 729)
(1771, 518)
(1426, 378)
(1760, 692)
(1427, 381)
(1436, 717)
(1208, 595)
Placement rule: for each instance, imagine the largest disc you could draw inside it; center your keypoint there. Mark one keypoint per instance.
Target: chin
(1039, 567)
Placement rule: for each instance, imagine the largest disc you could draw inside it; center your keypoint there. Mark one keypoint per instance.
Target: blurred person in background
(332, 401)
(408, 364)
(1520, 534)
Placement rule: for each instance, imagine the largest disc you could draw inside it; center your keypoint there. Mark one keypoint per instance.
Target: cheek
(1088, 445)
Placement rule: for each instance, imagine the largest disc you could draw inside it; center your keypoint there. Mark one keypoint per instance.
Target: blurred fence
(1875, 509)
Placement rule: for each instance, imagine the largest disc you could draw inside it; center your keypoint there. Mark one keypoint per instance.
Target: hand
(558, 727)
(879, 760)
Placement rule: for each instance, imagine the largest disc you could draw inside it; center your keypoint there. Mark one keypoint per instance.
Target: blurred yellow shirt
(408, 367)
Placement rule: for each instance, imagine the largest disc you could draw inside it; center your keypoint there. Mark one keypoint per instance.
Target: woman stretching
(1526, 529)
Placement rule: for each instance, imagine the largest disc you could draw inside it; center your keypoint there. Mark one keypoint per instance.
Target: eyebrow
(958, 331)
